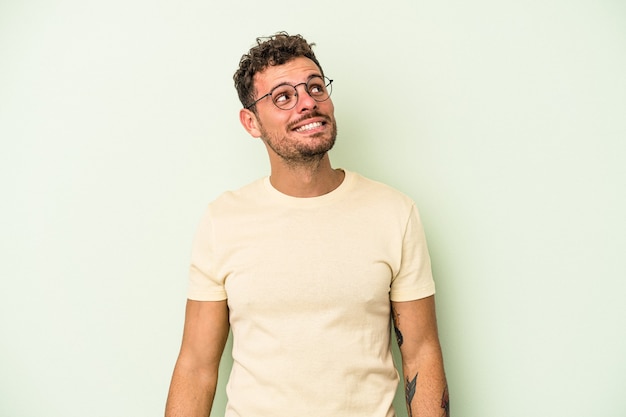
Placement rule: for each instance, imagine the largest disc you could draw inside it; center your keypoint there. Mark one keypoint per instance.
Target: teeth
(309, 126)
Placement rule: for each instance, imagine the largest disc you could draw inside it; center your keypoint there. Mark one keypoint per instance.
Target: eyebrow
(314, 75)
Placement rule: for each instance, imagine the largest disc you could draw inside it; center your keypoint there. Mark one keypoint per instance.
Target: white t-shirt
(309, 283)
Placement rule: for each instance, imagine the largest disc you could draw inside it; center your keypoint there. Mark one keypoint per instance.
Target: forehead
(295, 71)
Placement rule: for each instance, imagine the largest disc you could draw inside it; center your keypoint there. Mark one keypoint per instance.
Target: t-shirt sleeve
(204, 284)
(414, 279)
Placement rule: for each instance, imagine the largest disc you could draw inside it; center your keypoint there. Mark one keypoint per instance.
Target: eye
(316, 87)
(283, 94)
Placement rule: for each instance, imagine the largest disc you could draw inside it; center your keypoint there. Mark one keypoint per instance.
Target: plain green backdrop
(504, 120)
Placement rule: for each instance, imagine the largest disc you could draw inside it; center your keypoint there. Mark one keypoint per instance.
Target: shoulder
(238, 201)
(251, 191)
(376, 191)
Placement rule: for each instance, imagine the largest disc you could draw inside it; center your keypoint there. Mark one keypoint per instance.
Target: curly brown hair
(273, 50)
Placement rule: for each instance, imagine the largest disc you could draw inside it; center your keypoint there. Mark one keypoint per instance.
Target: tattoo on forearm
(398, 336)
(409, 392)
(445, 403)
(396, 323)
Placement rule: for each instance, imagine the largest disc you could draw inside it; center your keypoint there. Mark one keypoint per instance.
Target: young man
(307, 267)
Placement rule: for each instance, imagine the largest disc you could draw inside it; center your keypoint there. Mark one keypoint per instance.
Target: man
(307, 267)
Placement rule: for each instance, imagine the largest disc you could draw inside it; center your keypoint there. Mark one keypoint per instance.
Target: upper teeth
(309, 126)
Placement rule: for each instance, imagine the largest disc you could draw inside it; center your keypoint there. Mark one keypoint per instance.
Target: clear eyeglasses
(285, 96)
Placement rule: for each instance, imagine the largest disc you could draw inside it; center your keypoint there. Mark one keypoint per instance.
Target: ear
(250, 122)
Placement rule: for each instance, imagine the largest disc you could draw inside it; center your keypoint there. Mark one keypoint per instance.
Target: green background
(504, 120)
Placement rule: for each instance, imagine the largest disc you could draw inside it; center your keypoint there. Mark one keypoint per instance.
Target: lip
(322, 122)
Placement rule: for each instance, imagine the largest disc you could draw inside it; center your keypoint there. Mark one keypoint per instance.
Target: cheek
(328, 107)
(273, 122)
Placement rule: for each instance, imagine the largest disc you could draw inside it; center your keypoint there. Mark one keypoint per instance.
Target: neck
(310, 179)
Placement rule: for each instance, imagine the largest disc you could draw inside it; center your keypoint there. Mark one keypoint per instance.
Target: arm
(195, 375)
(426, 389)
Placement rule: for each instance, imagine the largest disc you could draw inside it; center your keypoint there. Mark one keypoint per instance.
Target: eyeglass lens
(286, 96)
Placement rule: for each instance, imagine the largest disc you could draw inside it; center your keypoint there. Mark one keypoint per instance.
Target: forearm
(191, 392)
(426, 390)
(425, 384)
(195, 375)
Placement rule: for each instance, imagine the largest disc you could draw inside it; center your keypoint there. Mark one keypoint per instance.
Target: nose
(305, 101)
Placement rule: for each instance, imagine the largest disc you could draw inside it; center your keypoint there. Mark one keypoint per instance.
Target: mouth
(309, 126)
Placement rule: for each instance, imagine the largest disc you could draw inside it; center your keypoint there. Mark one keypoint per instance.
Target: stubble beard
(296, 153)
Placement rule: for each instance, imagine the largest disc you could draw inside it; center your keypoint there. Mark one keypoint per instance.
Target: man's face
(303, 133)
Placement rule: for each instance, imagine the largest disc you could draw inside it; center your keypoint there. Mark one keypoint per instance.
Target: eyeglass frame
(295, 87)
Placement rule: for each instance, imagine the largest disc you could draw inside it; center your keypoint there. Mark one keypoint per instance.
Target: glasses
(285, 96)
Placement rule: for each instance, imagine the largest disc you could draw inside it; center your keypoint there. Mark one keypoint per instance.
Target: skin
(195, 374)
(300, 167)
(299, 161)
(422, 363)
